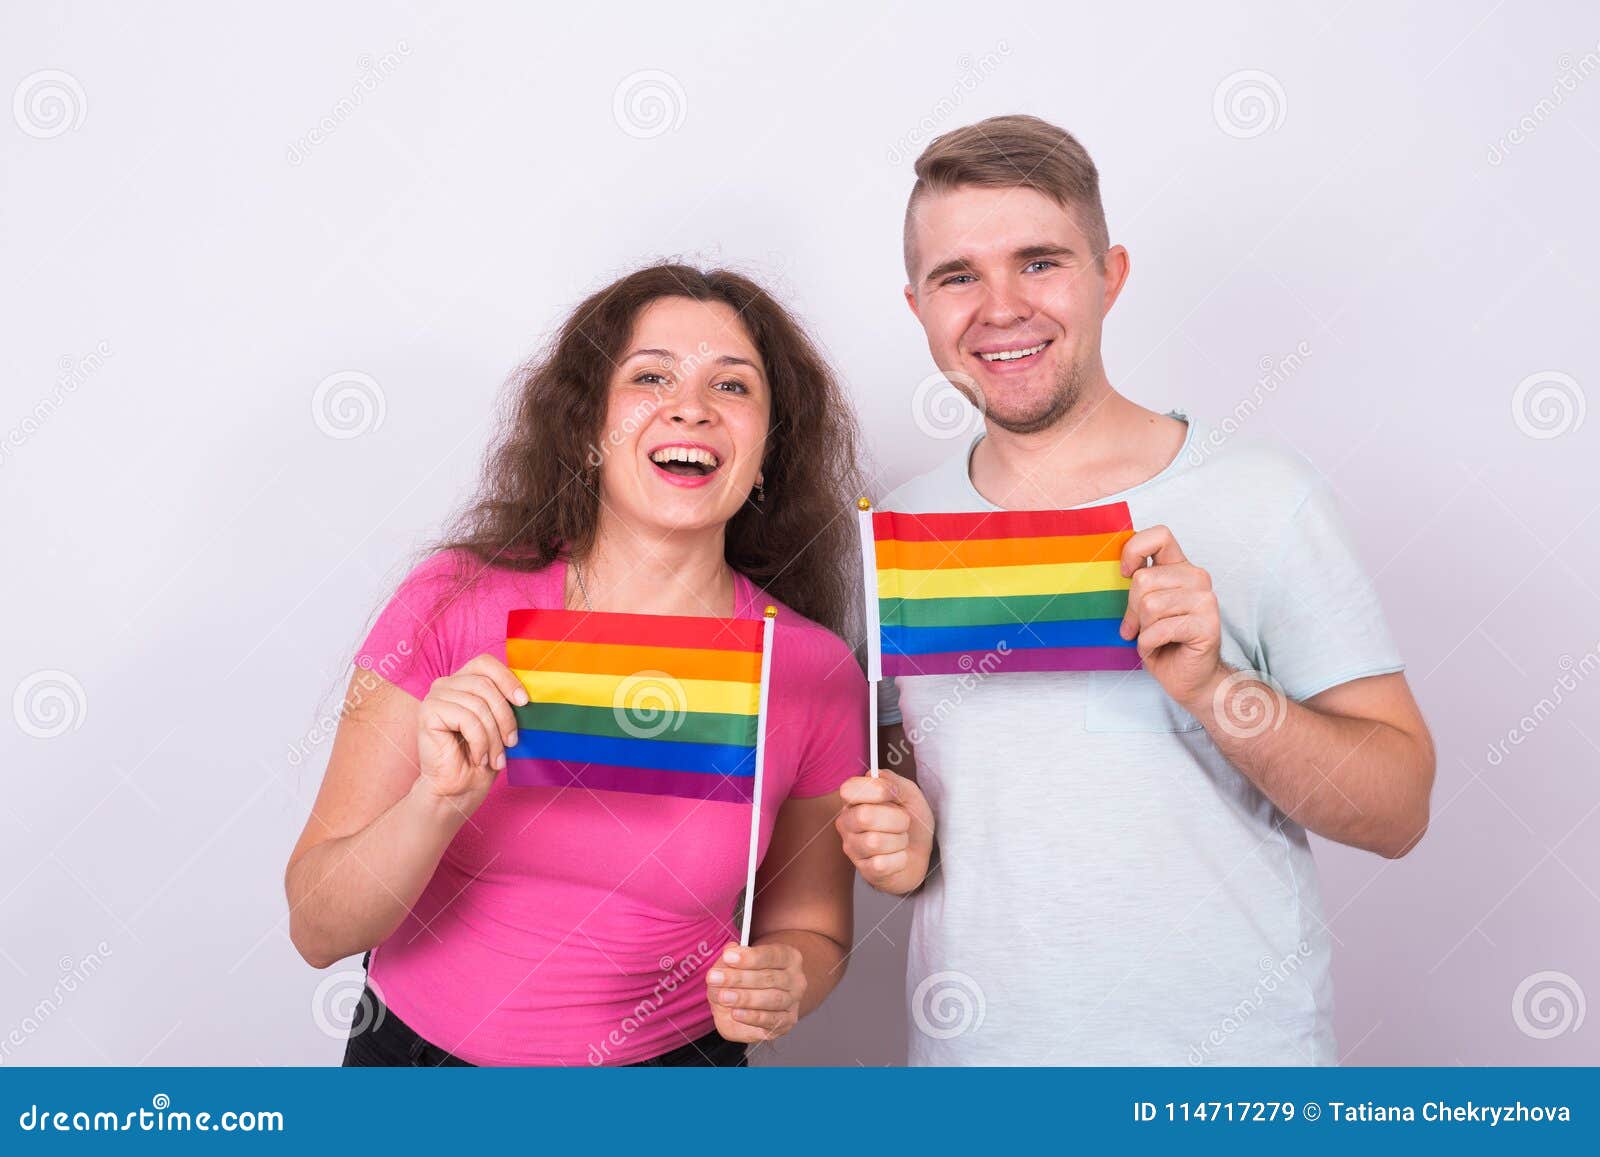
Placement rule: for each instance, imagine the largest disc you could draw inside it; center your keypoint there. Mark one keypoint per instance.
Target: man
(1122, 873)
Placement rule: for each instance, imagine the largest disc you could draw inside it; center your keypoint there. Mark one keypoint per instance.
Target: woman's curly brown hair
(539, 496)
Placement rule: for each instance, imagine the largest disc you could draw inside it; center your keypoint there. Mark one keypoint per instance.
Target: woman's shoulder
(805, 650)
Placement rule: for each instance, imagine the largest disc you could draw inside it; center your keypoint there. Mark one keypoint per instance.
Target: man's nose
(1004, 304)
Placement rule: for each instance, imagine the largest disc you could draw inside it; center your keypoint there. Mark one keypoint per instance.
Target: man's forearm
(1355, 781)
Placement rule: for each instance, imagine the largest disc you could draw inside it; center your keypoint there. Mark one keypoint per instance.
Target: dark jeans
(388, 1040)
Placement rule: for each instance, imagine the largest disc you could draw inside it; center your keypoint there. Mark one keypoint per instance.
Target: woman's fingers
(452, 716)
(489, 691)
(509, 686)
(493, 744)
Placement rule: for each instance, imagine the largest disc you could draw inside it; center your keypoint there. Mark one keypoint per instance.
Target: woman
(682, 450)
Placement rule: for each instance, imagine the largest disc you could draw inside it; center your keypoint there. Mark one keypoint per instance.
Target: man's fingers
(874, 817)
(884, 866)
(759, 1018)
(748, 978)
(865, 845)
(771, 998)
(1176, 629)
(870, 789)
(1155, 542)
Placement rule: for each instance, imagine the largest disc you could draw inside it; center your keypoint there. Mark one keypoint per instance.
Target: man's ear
(1118, 265)
(911, 300)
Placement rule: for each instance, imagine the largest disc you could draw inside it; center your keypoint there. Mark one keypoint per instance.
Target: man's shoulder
(945, 487)
(1216, 460)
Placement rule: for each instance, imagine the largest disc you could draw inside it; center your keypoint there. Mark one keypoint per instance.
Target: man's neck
(678, 573)
(1104, 445)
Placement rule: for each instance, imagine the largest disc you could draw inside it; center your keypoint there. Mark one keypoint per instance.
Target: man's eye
(958, 279)
(1042, 263)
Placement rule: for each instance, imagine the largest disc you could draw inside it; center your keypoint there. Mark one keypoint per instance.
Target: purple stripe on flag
(640, 780)
(1020, 659)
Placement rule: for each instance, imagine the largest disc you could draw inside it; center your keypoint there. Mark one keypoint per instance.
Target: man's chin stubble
(1063, 400)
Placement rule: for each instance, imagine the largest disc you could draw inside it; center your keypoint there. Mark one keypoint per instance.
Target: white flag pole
(869, 583)
(761, 751)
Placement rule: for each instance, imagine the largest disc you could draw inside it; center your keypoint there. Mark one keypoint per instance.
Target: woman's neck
(681, 573)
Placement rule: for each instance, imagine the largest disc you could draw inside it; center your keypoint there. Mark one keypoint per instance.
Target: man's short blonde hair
(1013, 152)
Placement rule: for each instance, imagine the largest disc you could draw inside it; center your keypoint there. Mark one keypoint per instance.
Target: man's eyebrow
(1034, 252)
(1026, 253)
(945, 268)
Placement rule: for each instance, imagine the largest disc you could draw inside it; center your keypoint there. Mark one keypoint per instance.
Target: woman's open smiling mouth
(685, 463)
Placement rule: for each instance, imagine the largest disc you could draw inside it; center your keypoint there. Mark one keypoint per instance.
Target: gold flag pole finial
(771, 611)
(863, 504)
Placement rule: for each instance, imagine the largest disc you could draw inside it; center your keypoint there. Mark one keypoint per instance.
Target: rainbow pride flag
(1033, 590)
(655, 704)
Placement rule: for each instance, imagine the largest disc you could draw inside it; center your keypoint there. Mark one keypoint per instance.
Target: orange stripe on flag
(894, 554)
(620, 659)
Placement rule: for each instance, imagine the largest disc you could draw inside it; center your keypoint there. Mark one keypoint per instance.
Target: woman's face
(687, 419)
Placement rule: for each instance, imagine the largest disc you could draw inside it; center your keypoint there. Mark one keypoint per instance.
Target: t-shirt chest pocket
(1132, 701)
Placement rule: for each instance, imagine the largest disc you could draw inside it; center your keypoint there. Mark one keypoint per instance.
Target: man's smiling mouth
(1012, 355)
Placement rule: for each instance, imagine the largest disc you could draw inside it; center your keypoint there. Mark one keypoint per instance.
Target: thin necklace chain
(577, 572)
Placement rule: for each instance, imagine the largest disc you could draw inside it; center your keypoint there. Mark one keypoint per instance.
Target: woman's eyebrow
(663, 354)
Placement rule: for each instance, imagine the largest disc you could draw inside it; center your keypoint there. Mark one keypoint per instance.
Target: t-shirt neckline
(744, 590)
(1172, 467)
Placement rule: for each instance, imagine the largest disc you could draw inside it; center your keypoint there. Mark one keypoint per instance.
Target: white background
(191, 556)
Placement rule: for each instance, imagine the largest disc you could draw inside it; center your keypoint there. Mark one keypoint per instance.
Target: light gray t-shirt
(1111, 891)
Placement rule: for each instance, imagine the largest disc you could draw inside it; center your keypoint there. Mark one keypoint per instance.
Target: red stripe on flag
(702, 632)
(893, 524)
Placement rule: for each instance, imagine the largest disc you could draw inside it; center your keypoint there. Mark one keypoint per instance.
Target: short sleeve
(1319, 622)
(409, 645)
(835, 747)
(888, 702)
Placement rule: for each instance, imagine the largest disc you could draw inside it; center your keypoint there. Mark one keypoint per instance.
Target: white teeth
(1013, 355)
(686, 454)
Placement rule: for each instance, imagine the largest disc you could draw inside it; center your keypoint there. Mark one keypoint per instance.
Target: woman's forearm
(348, 894)
(822, 959)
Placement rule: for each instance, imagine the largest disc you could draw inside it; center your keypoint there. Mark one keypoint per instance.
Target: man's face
(1008, 289)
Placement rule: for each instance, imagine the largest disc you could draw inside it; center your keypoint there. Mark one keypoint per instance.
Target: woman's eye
(735, 384)
(649, 379)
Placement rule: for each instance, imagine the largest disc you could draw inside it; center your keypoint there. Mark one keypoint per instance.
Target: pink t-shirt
(568, 926)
